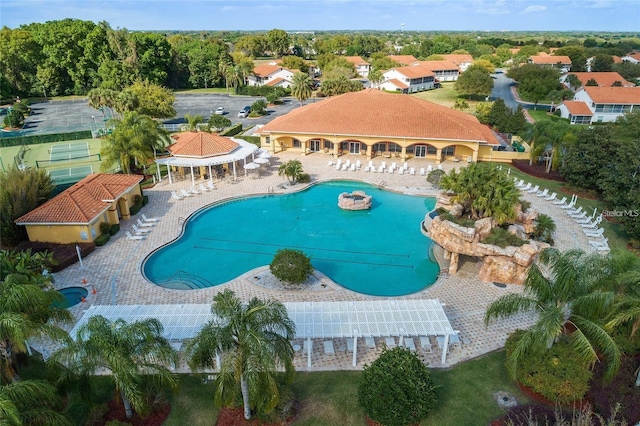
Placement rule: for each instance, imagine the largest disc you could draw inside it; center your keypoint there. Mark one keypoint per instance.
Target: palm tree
(129, 351)
(302, 86)
(254, 340)
(135, 136)
(26, 311)
(545, 228)
(569, 302)
(193, 121)
(30, 402)
(292, 169)
(376, 77)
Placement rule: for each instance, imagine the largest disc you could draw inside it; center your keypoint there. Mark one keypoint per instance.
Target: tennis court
(70, 174)
(69, 151)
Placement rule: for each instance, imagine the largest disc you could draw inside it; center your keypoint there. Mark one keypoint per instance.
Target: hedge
(39, 139)
(233, 130)
(261, 91)
(251, 139)
(102, 240)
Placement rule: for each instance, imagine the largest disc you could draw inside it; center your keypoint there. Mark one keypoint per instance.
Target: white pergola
(241, 153)
(313, 320)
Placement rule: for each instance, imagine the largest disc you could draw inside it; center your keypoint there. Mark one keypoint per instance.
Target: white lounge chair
(594, 224)
(594, 234)
(409, 344)
(194, 191)
(348, 163)
(344, 167)
(338, 164)
(400, 171)
(390, 342)
(412, 171)
(586, 219)
(526, 187)
(569, 206)
(393, 165)
(140, 230)
(439, 166)
(551, 197)
(534, 189)
(422, 173)
(149, 219)
(370, 165)
(519, 184)
(358, 165)
(405, 166)
(203, 188)
(330, 163)
(429, 168)
(353, 167)
(381, 169)
(328, 347)
(560, 202)
(574, 211)
(210, 185)
(175, 196)
(542, 194)
(184, 193)
(425, 344)
(145, 224)
(134, 237)
(596, 243)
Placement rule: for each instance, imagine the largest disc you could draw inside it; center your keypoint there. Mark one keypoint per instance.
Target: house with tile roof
(372, 123)
(577, 112)
(563, 63)
(362, 67)
(409, 79)
(270, 74)
(444, 70)
(603, 79)
(403, 59)
(605, 103)
(463, 61)
(75, 215)
(633, 57)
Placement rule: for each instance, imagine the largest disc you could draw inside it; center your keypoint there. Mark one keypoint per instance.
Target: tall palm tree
(569, 303)
(135, 136)
(129, 351)
(254, 340)
(30, 402)
(26, 311)
(376, 77)
(292, 169)
(193, 121)
(302, 86)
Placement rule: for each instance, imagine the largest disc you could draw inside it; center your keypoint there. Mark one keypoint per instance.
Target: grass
(445, 96)
(192, 403)
(538, 114)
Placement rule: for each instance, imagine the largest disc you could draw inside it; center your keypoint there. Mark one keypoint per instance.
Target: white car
(220, 111)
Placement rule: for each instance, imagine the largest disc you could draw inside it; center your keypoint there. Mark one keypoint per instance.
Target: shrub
(233, 130)
(435, 176)
(145, 200)
(102, 239)
(49, 138)
(557, 373)
(113, 230)
(396, 389)
(462, 221)
(502, 238)
(105, 228)
(291, 266)
(64, 255)
(304, 178)
(137, 205)
(545, 228)
(524, 204)
(621, 390)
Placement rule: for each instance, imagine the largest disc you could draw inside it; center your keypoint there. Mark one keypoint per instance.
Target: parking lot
(75, 115)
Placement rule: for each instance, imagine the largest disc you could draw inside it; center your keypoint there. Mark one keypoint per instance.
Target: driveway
(502, 89)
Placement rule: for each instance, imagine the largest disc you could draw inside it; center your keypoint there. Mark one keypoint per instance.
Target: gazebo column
(309, 352)
(234, 170)
(443, 358)
(193, 178)
(210, 173)
(160, 176)
(169, 173)
(355, 350)
(335, 149)
(203, 171)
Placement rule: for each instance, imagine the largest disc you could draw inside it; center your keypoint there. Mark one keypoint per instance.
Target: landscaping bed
(537, 170)
(64, 255)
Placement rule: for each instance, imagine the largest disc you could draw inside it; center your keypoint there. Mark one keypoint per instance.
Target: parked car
(244, 112)
(220, 111)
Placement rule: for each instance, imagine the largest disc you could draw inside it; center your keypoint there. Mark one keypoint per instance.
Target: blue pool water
(378, 252)
(72, 296)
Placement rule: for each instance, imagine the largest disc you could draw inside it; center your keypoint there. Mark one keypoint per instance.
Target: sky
(291, 15)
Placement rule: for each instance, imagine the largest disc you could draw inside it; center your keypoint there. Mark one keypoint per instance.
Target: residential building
(616, 60)
(605, 103)
(403, 59)
(409, 79)
(75, 215)
(577, 112)
(463, 61)
(362, 67)
(271, 74)
(563, 63)
(633, 57)
(604, 79)
(444, 70)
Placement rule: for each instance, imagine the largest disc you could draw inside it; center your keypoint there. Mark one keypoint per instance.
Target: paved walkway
(114, 270)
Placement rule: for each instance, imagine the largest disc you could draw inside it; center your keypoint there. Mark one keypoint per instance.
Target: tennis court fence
(84, 158)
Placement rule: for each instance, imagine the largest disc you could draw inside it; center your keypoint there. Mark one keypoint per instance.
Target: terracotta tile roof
(398, 83)
(375, 113)
(550, 60)
(201, 144)
(356, 60)
(445, 65)
(577, 108)
(265, 70)
(416, 71)
(614, 95)
(458, 58)
(602, 78)
(514, 50)
(275, 81)
(617, 59)
(634, 55)
(542, 54)
(82, 202)
(403, 59)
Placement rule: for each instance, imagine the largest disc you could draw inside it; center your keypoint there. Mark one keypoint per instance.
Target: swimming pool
(380, 251)
(72, 296)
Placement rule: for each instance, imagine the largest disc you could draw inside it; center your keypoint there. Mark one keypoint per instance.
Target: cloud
(493, 11)
(535, 8)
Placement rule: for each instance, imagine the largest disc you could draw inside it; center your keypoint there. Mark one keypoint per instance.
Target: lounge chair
(405, 166)
(429, 168)
(390, 342)
(330, 163)
(358, 165)
(422, 173)
(381, 169)
(140, 230)
(344, 167)
(210, 185)
(409, 344)
(134, 237)
(203, 188)
(439, 166)
(519, 184)
(142, 224)
(338, 164)
(542, 194)
(596, 243)
(454, 339)
(534, 189)
(526, 187)
(575, 211)
(149, 219)
(594, 224)
(586, 219)
(353, 167)
(175, 196)
(425, 344)
(370, 165)
(400, 171)
(412, 171)
(194, 191)
(570, 205)
(184, 193)
(328, 347)
(551, 197)
(594, 234)
(393, 165)
(348, 163)
(560, 202)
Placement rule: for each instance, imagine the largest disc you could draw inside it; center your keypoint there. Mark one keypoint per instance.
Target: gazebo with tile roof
(74, 215)
(202, 150)
(372, 122)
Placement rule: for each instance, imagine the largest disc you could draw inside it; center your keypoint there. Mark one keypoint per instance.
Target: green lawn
(446, 96)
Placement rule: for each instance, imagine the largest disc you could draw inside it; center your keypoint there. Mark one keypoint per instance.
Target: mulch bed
(63, 254)
(116, 412)
(234, 416)
(537, 170)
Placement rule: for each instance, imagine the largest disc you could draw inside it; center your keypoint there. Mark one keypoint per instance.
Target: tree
(602, 63)
(253, 340)
(259, 107)
(301, 86)
(128, 351)
(291, 266)
(535, 82)
(549, 139)
(135, 136)
(486, 65)
(292, 169)
(396, 389)
(295, 63)
(376, 77)
(545, 227)
(569, 302)
(20, 192)
(591, 83)
(628, 70)
(153, 100)
(460, 104)
(218, 122)
(574, 81)
(193, 121)
(278, 41)
(476, 80)
(482, 191)
(584, 157)
(31, 402)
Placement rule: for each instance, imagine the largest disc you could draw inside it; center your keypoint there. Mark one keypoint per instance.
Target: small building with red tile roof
(362, 67)
(463, 61)
(633, 57)
(608, 103)
(444, 70)
(403, 59)
(577, 112)
(562, 62)
(272, 74)
(603, 79)
(75, 215)
(416, 78)
(371, 123)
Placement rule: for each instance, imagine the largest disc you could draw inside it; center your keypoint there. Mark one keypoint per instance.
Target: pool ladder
(382, 184)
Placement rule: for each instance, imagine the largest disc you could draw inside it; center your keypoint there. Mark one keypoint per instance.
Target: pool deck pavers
(117, 265)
